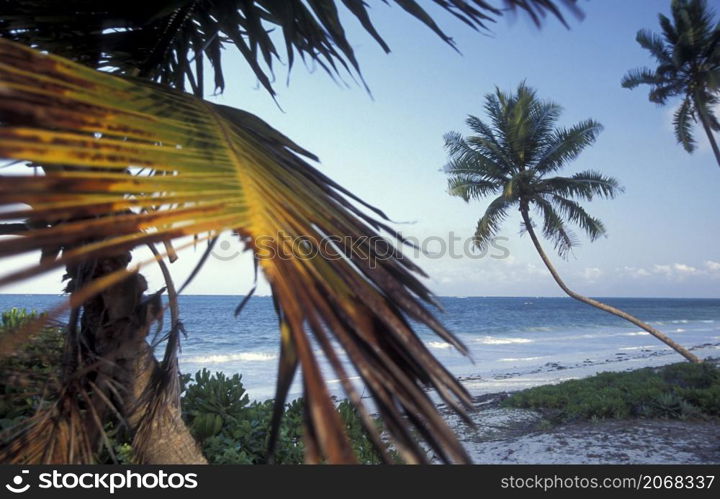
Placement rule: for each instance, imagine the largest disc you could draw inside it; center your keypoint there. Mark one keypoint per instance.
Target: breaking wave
(220, 358)
(492, 340)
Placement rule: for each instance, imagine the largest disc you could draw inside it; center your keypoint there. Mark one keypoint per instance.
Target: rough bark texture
(113, 337)
(602, 306)
(160, 434)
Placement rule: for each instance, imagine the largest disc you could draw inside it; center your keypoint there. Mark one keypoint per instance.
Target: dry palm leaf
(151, 164)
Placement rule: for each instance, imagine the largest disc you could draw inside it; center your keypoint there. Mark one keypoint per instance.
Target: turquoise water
(504, 335)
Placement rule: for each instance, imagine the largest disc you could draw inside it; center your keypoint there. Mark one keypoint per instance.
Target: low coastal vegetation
(676, 391)
(230, 428)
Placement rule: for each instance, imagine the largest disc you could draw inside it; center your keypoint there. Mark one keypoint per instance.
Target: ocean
(507, 337)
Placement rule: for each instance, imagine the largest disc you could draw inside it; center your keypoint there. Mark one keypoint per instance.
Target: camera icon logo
(17, 487)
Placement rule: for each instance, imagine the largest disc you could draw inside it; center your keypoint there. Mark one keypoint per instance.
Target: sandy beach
(520, 436)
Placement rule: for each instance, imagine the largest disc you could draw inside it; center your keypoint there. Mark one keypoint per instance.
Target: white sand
(518, 436)
(510, 383)
(610, 442)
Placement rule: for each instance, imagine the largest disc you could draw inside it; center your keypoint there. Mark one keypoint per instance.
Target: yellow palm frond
(129, 163)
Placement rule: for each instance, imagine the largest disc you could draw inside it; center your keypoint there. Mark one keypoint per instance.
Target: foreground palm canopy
(130, 159)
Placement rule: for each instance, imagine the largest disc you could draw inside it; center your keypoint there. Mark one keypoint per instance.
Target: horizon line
(436, 296)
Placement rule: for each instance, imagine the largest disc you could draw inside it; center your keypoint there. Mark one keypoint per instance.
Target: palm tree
(129, 159)
(688, 57)
(514, 155)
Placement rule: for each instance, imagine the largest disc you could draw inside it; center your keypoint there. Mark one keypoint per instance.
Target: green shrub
(30, 372)
(16, 317)
(677, 391)
(233, 430)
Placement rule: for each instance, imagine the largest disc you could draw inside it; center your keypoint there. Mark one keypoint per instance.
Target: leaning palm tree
(515, 156)
(129, 159)
(688, 57)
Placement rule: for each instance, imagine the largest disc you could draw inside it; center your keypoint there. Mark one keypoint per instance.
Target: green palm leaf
(565, 145)
(132, 163)
(575, 213)
(168, 40)
(554, 228)
(490, 223)
(655, 45)
(583, 185)
(688, 65)
(683, 120)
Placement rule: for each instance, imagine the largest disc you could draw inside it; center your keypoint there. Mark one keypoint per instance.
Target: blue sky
(662, 232)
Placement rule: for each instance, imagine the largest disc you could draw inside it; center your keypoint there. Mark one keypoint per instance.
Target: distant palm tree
(688, 56)
(514, 155)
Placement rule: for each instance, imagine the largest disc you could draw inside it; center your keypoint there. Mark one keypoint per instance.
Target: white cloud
(662, 269)
(681, 268)
(634, 272)
(591, 273)
(533, 269)
(712, 266)
(673, 272)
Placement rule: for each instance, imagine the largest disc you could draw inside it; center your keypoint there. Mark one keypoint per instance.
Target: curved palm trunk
(602, 306)
(708, 131)
(115, 326)
(160, 434)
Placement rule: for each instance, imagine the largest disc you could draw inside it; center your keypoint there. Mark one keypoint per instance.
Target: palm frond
(565, 144)
(639, 76)
(520, 125)
(168, 40)
(669, 31)
(583, 185)
(58, 433)
(530, 120)
(683, 121)
(206, 169)
(486, 143)
(664, 89)
(477, 159)
(576, 214)
(470, 186)
(543, 116)
(655, 45)
(554, 228)
(490, 223)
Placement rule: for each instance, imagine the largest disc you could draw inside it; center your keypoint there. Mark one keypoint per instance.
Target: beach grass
(675, 391)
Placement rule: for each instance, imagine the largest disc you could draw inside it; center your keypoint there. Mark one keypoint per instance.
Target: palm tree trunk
(160, 434)
(115, 325)
(602, 306)
(708, 131)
